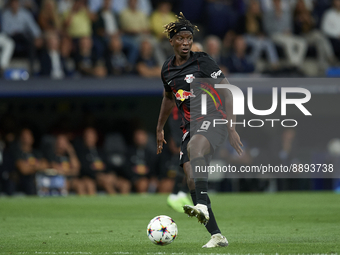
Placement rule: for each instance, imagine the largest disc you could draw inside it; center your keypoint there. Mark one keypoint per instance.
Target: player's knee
(195, 151)
(198, 146)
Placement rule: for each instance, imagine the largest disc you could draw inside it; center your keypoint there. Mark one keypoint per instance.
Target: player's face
(182, 42)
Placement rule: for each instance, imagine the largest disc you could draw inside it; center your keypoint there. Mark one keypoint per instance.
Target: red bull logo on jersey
(182, 94)
(189, 78)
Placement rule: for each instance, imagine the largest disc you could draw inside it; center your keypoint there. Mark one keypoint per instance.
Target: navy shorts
(216, 136)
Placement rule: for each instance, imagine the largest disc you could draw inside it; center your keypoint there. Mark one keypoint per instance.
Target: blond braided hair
(181, 21)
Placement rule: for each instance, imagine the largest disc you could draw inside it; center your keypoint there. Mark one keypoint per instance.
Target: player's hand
(160, 141)
(235, 141)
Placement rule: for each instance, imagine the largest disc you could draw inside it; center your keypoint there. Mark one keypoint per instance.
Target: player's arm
(234, 138)
(168, 103)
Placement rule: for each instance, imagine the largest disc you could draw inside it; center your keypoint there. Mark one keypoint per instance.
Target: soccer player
(199, 141)
(178, 197)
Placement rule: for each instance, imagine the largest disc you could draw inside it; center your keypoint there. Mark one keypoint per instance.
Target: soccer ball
(162, 230)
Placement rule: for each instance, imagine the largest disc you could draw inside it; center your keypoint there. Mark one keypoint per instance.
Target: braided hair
(174, 27)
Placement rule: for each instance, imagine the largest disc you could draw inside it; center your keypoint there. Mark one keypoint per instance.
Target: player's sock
(212, 224)
(201, 183)
(193, 196)
(201, 191)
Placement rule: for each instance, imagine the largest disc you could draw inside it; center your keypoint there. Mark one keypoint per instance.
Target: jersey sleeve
(210, 69)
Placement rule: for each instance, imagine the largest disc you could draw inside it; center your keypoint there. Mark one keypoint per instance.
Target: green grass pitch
(282, 223)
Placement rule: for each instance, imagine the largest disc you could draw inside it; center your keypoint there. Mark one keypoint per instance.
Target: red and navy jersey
(189, 81)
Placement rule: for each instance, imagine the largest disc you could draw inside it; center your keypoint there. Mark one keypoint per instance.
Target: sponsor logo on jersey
(180, 155)
(189, 78)
(183, 94)
(216, 74)
(169, 82)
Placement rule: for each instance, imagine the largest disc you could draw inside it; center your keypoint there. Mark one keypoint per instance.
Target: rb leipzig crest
(189, 78)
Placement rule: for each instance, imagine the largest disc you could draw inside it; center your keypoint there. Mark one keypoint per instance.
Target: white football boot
(200, 211)
(216, 240)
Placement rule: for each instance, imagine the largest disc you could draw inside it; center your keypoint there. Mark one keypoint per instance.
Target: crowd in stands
(98, 38)
(87, 161)
(57, 166)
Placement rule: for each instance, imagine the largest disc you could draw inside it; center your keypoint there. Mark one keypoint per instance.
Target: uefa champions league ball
(162, 230)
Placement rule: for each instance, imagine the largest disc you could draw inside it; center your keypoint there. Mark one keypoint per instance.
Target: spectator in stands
(251, 25)
(52, 63)
(134, 22)
(28, 161)
(143, 5)
(141, 161)
(6, 47)
(64, 6)
(20, 25)
(284, 151)
(278, 24)
(229, 155)
(196, 47)
(162, 15)
(331, 26)
(319, 9)
(223, 15)
(86, 64)
(63, 159)
(116, 61)
(212, 46)
(49, 19)
(104, 27)
(238, 61)
(77, 23)
(269, 5)
(31, 5)
(94, 170)
(147, 65)
(304, 25)
(118, 6)
(227, 43)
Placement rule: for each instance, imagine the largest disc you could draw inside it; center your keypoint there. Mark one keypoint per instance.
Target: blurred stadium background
(80, 90)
